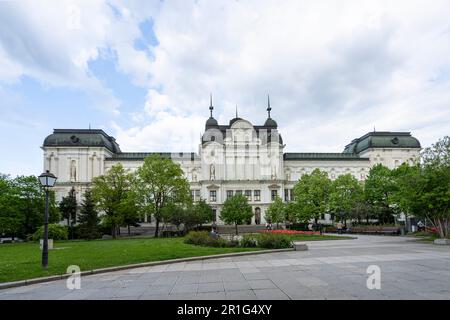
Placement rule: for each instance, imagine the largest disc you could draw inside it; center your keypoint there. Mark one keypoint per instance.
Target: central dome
(211, 122)
(270, 123)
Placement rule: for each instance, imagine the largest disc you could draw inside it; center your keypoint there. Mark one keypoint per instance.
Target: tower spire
(268, 105)
(211, 108)
(236, 111)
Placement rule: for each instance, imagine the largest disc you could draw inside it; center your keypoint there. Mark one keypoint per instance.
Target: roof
(382, 139)
(270, 123)
(270, 126)
(140, 156)
(305, 156)
(81, 138)
(211, 122)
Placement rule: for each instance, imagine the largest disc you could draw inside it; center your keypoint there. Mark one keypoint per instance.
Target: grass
(425, 236)
(20, 261)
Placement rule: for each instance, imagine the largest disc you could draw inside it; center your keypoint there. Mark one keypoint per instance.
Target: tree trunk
(157, 228)
(442, 227)
(113, 231)
(236, 226)
(129, 231)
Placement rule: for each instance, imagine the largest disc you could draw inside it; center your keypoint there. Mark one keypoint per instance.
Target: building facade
(238, 157)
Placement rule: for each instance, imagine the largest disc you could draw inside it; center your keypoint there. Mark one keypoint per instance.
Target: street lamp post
(47, 180)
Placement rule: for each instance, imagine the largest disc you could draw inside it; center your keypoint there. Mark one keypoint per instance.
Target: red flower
(291, 232)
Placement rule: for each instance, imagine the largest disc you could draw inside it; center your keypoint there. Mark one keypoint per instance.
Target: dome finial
(210, 105)
(268, 105)
(236, 111)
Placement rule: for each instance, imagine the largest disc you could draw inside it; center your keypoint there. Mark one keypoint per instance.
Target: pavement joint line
(20, 283)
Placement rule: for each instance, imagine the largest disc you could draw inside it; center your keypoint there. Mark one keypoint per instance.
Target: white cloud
(333, 69)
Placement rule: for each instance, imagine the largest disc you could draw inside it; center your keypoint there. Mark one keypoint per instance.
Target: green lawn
(23, 260)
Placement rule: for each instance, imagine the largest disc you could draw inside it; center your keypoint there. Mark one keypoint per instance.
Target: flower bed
(291, 232)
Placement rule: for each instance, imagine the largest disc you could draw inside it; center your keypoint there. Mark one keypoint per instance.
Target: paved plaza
(329, 270)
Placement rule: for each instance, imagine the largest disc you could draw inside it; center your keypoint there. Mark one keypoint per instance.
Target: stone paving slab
(329, 270)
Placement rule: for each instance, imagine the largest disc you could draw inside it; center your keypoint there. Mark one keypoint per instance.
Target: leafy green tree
(68, 209)
(129, 209)
(88, 218)
(291, 212)
(11, 218)
(379, 190)
(236, 210)
(203, 212)
(110, 192)
(31, 203)
(176, 215)
(345, 193)
(276, 212)
(159, 182)
(311, 195)
(22, 205)
(424, 189)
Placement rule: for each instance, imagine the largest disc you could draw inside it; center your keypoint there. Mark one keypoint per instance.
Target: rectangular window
(286, 195)
(257, 195)
(273, 194)
(213, 196)
(229, 193)
(238, 192)
(195, 195)
(248, 194)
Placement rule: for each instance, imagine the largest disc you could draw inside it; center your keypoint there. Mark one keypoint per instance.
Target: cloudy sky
(143, 71)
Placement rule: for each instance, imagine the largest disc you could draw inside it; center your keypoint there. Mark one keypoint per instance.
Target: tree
(68, 209)
(276, 212)
(22, 204)
(203, 212)
(31, 203)
(11, 219)
(291, 212)
(236, 210)
(88, 218)
(160, 182)
(110, 192)
(311, 195)
(345, 193)
(379, 189)
(424, 189)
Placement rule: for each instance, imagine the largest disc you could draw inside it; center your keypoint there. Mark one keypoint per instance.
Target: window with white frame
(257, 195)
(212, 195)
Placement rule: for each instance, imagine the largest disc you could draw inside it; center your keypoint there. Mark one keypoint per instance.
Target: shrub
(274, 241)
(55, 232)
(248, 241)
(198, 238)
(203, 238)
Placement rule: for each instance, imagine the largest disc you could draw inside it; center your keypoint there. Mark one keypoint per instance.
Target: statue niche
(212, 172)
(73, 171)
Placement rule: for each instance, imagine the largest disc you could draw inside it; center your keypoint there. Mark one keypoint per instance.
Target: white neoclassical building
(238, 157)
